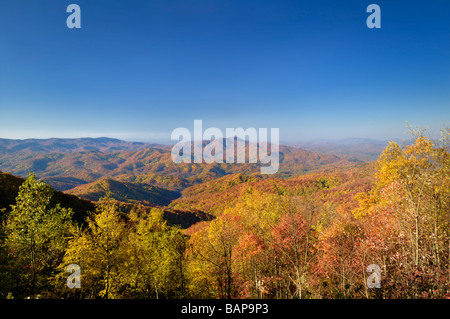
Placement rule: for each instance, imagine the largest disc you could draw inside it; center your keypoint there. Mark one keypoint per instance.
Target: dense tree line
(281, 244)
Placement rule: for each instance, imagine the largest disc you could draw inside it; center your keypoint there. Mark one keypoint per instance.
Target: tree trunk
(33, 267)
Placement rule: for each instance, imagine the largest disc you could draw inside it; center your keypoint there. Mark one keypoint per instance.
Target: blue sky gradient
(136, 70)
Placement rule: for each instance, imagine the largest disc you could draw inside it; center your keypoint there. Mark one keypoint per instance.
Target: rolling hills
(144, 174)
(69, 169)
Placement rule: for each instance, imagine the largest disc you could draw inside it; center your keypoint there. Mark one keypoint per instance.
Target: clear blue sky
(138, 69)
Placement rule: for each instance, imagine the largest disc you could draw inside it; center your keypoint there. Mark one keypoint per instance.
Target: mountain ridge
(68, 145)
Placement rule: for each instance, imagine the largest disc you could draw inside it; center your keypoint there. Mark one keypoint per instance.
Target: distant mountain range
(362, 149)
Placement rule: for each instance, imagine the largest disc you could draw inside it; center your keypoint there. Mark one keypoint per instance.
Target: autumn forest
(140, 226)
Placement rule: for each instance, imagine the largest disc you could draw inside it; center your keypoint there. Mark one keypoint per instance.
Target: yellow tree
(156, 256)
(413, 170)
(213, 249)
(99, 252)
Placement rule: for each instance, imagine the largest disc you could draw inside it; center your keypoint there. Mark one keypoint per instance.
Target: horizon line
(167, 141)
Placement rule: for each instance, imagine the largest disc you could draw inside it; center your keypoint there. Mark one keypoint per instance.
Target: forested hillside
(125, 192)
(9, 190)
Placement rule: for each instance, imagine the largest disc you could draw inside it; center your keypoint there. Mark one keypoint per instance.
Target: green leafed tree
(35, 237)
